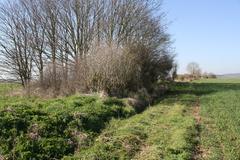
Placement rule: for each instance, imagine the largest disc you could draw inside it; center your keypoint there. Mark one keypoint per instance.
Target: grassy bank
(160, 132)
(51, 129)
(74, 127)
(167, 130)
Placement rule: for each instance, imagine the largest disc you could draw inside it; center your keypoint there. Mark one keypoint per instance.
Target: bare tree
(173, 73)
(15, 45)
(78, 19)
(194, 70)
(37, 30)
(58, 38)
(51, 16)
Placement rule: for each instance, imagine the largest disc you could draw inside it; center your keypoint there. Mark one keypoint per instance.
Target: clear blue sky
(206, 32)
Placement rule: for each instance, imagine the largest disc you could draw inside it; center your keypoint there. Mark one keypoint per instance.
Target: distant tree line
(195, 73)
(85, 45)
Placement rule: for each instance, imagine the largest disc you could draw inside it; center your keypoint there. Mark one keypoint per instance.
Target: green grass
(166, 130)
(160, 132)
(50, 129)
(220, 80)
(87, 127)
(7, 95)
(7, 87)
(220, 111)
(75, 124)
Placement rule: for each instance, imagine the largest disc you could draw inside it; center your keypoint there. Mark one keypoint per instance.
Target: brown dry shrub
(110, 69)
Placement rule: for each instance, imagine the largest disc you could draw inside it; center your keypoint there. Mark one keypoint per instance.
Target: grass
(160, 132)
(167, 130)
(80, 127)
(6, 87)
(51, 129)
(220, 80)
(220, 116)
(220, 111)
(6, 97)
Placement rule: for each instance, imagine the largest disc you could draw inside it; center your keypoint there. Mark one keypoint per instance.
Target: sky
(206, 32)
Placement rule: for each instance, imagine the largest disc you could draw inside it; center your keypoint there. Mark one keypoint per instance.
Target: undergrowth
(51, 129)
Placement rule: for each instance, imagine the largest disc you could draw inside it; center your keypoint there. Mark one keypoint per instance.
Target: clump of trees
(209, 75)
(195, 73)
(79, 45)
(194, 70)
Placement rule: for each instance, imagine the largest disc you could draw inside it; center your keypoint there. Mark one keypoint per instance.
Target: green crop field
(220, 111)
(199, 120)
(219, 101)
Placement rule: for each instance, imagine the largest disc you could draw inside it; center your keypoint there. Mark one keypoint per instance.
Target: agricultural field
(198, 120)
(220, 124)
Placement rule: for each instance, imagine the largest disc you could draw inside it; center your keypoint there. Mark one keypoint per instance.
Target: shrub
(120, 70)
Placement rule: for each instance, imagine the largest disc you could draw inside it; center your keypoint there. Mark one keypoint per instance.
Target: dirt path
(196, 111)
(198, 152)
